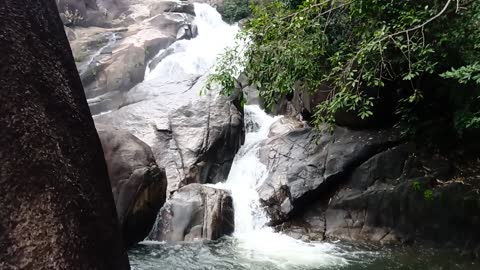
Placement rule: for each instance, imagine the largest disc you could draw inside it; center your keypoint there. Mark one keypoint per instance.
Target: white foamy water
(253, 240)
(198, 55)
(256, 240)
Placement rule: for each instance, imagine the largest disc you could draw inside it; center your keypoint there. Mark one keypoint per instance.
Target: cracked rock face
(138, 184)
(303, 164)
(195, 212)
(193, 137)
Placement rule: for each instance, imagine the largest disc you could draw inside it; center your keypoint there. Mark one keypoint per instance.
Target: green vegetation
(427, 193)
(235, 10)
(423, 53)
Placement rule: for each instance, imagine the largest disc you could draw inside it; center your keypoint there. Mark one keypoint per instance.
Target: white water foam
(198, 55)
(256, 240)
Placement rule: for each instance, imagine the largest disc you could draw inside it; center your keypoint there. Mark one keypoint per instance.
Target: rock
(158, 7)
(252, 96)
(113, 76)
(70, 33)
(138, 184)
(285, 125)
(382, 199)
(195, 212)
(310, 226)
(57, 209)
(195, 138)
(303, 164)
(162, 55)
(100, 13)
(399, 213)
(113, 59)
(302, 103)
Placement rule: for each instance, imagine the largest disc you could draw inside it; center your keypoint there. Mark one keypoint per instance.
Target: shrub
(424, 51)
(235, 10)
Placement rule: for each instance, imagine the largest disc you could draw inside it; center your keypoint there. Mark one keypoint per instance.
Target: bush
(235, 10)
(425, 52)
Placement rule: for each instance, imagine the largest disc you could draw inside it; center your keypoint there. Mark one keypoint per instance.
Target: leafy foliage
(425, 52)
(235, 10)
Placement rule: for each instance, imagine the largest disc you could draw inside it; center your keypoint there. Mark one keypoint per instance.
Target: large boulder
(367, 186)
(304, 163)
(195, 138)
(57, 209)
(139, 186)
(195, 212)
(398, 195)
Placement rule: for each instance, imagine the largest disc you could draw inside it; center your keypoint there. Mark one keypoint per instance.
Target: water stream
(253, 244)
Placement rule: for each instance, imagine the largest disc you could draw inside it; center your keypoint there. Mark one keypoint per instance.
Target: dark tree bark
(56, 205)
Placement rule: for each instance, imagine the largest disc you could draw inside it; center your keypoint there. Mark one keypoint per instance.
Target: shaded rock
(303, 164)
(302, 103)
(57, 209)
(193, 213)
(388, 213)
(310, 226)
(138, 184)
(396, 196)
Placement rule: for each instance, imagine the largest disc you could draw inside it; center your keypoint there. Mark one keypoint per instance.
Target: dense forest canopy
(420, 56)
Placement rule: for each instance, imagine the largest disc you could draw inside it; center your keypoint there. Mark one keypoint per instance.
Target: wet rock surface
(195, 212)
(138, 184)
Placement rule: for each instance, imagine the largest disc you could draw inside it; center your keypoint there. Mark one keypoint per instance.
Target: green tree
(425, 52)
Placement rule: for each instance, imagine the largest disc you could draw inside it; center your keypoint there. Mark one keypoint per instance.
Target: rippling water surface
(229, 254)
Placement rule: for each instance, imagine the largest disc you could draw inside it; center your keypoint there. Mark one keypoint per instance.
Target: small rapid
(256, 240)
(196, 56)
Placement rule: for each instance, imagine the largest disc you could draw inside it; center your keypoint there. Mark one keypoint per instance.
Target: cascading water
(253, 245)
(256, 240)
(198, 55)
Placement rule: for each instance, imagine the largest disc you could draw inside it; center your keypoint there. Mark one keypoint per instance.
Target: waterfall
(198, 55)
(247, 173)
(254, 240)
